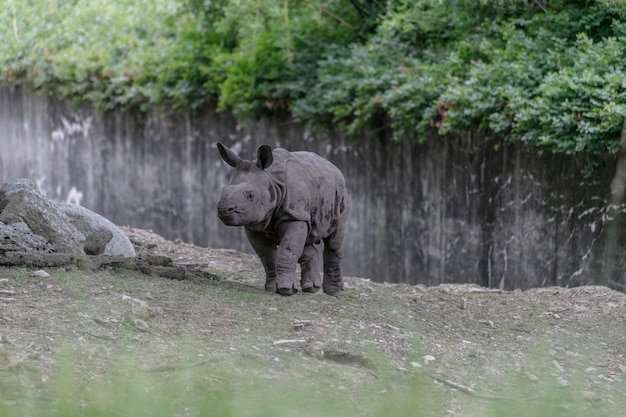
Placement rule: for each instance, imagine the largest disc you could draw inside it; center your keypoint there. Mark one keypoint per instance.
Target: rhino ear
(264, 156)
(228, 156)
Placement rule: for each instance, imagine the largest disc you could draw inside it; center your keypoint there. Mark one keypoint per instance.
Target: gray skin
(287, 203)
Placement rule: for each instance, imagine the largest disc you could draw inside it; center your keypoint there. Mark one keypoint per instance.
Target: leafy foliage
(97, 51)
(549, 73)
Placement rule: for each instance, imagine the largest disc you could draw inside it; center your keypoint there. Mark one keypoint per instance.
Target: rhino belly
(323, 223)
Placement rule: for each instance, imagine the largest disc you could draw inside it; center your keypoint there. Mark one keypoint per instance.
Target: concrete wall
(449, 210)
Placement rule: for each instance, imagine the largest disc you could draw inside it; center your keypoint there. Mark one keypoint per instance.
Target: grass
(71, 347)
(206, 389)
(210, 391)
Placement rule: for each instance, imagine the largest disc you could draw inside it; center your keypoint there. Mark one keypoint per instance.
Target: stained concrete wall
(457, 209)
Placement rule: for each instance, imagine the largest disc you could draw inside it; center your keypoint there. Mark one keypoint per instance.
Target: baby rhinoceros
(288, 202)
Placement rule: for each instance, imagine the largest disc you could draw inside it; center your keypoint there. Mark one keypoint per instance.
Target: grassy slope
(75, 344)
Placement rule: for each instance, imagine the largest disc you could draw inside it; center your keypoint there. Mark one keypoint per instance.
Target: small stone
(591, 397)
(39, 274)
(558, 366)
(288, 341)
(428, 359)
(531, 376)
(96, 242)
(140, 325)
(134, 300)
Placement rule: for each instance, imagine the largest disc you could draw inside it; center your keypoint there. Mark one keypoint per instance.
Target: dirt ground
(472, 345)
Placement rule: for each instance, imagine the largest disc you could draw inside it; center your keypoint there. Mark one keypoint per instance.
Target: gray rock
(140, 325)
(18, 237)
(97, 242)
(38, 232)
(102, 236)
(21, 202)
(39, 259)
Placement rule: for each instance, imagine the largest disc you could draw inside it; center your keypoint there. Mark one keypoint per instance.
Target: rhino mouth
(231, 220)
(230, 216)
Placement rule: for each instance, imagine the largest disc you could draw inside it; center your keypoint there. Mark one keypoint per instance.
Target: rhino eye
(250, 195)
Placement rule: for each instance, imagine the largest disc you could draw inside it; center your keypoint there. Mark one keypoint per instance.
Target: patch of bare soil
(470, 343)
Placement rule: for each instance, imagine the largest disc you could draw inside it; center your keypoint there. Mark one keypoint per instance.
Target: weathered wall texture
(453, 210)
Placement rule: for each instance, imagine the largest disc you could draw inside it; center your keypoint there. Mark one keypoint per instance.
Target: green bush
(545, 73)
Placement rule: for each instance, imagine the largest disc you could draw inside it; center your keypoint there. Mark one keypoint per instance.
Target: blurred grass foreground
(202, 390)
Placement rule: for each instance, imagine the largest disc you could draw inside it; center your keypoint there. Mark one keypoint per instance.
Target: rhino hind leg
(311, 280)
(333, 253)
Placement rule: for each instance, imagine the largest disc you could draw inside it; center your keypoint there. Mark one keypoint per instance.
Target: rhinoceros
(288, 202)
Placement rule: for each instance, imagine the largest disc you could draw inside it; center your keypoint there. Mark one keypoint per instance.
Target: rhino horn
(230, 157)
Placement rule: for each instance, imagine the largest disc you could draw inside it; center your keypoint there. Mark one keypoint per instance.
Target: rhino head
(250, 196)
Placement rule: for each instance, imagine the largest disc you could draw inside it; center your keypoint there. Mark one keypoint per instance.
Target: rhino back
(314, 191)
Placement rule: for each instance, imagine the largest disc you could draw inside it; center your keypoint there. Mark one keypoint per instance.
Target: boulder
(18, 237)
(102, 236)
(21, 202)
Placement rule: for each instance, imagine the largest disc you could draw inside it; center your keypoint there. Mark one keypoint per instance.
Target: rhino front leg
(292, 237)
(311, 280)
(266, 251)
(333, 253)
